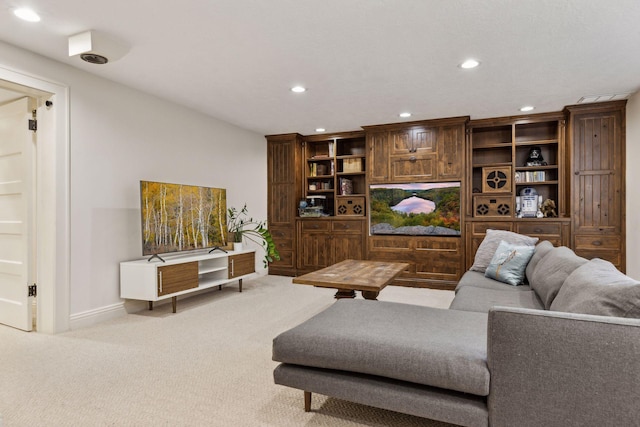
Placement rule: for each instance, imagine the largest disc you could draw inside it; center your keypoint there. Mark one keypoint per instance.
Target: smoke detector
(96, 48)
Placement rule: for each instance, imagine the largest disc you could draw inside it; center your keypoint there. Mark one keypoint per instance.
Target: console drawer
(537, 229)
(314, 225)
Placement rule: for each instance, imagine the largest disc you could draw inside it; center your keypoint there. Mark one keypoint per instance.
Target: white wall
(120, 136)
(632, 190)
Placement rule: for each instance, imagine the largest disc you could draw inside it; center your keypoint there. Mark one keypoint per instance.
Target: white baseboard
(97, 315)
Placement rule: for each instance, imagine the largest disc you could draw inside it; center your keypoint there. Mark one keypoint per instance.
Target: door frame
(52, 199)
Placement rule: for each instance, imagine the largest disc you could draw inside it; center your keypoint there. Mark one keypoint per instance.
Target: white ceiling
(364, 61)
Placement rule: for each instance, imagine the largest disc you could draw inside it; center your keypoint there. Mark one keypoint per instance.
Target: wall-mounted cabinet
(425, 151)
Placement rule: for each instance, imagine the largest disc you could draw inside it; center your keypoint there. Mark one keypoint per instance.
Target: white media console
(155, 280)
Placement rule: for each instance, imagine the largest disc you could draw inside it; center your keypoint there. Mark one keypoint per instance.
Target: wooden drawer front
(613, 256)
(598, 242)
(389, 244)
(537, 229)
(286, 263)
(242, 264)
(482, 227)
(282, 237)
(347, 227)
(307, 225)
(414, 167)
(178, 277)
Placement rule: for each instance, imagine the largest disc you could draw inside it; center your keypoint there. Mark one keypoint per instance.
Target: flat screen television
(178, 217)
(415, 209)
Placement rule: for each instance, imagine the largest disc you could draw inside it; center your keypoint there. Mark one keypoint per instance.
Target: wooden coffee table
(368, 277)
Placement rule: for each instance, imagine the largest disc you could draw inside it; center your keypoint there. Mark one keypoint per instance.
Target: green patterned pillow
(509, 263)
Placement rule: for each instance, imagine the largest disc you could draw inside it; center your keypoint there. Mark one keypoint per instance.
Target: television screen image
(415, 209)
(178, 217)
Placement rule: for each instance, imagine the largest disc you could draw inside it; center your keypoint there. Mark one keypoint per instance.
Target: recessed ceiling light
(469, 63)
(405, 114)
(27, 14)
(526, 108)
(320, 129)
(298, 89)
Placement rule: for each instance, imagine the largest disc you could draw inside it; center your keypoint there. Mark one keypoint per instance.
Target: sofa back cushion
(541, 250)
(597, 287)
(490, 243)
(551, 272)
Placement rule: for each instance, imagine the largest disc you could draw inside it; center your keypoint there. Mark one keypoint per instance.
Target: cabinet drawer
(315, 225)
(482, 227)
(597, 242)
(280, 233)
(536, 229)
(346, 226)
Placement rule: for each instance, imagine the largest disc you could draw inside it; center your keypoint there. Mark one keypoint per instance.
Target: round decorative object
(497, 179)
(342, 209)
(482, 210)
(503, 209)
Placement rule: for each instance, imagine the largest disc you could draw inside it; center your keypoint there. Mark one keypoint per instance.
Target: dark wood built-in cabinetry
(598, 180)
(581, 172)
(284, 189)
(500, 169)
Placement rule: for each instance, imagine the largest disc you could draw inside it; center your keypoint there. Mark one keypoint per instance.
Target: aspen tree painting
(179, 217)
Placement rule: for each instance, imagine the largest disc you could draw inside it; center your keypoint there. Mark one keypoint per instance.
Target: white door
(17, 154)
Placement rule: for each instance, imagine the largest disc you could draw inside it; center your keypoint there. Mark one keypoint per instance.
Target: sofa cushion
(478, 280)
(597, 287)
(482, 300)
(509, 262)
(490, 244)
(551, 272)
(424, 345)
(542, 249)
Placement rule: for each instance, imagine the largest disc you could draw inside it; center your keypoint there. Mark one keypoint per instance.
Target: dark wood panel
(413, 168)
(177, 277)
(242, 264)
(451, 152)
(378, 156)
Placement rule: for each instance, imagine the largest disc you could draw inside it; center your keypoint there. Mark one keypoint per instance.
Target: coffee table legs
(350, 293)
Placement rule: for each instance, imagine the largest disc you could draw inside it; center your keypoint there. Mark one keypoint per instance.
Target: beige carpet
(207, 365)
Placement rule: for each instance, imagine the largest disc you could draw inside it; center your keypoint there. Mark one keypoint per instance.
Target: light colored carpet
(207, 365)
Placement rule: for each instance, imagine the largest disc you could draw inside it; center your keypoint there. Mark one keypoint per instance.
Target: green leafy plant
(241, 226)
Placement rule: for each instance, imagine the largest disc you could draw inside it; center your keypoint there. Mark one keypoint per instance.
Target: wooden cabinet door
(424, 140)
(242, 264)
(451, 152)
(347, 246)
(177, 277)
(314, 251)
(378, 160)
(598, 174)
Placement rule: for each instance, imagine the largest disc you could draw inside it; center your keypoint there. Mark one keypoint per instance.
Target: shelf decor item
(241, 226)
(496, 179)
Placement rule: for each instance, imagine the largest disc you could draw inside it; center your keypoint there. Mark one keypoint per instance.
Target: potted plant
(241, 226)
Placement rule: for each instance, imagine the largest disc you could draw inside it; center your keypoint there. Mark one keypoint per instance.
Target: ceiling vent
(602, 98)
(96, 48)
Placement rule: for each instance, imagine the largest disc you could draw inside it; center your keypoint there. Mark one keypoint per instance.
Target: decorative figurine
(535, 157)
(548, 209)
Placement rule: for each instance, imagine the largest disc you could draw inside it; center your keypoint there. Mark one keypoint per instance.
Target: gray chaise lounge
(501, 355)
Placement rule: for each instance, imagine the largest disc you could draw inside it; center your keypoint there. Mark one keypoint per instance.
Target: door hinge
(33, 123)
(32, 290)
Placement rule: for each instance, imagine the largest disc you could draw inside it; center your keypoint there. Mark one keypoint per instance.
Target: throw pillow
(490, 244)
(552, 271)
(597, 287)
(509, 262)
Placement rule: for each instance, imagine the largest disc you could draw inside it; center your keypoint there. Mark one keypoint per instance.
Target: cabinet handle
(232, 269)
(280, 234)
(412, 159)
(315, 226)
(596, 243)
(347, 226)
(577, 172)
(538, 230)
(160, 276)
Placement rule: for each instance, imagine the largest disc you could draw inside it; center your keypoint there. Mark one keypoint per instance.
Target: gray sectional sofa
(561, 350)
